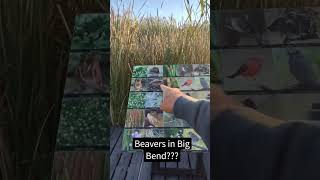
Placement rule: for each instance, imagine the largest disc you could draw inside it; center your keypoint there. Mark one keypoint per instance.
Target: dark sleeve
(197, 114)
(246, 150)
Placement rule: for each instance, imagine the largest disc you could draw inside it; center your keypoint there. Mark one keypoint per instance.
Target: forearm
(258, 149)
(197, 113)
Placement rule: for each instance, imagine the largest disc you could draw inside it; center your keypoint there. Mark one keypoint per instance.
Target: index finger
(164, 87)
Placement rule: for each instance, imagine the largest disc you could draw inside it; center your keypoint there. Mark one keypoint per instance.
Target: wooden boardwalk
(130, 166)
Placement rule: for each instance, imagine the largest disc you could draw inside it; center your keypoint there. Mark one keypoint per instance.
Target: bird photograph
(184, 70)
(250, 69)
(240, 28)
(155, 71)
(293, 25)
(204, 81)
(153, 117)
(187, 83)
(247, 69)
(154, 84)
(201, 69)
(299, 68)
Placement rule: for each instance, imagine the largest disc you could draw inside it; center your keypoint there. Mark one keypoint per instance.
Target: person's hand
(170, 96)
(221, 101)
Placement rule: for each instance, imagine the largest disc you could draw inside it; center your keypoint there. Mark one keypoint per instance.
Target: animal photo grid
(268, 59)
(268, 50)
(266, 27)
(144, 117)
(84, 112)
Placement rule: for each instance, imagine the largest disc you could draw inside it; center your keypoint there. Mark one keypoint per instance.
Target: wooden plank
(193, 160)
(198, 178)
(134, 167)
(184, 163)
(145, 171)
(172, 165)
(114, 137)
(159, 177)
(115, 156)
(79, 165)
(121, 169)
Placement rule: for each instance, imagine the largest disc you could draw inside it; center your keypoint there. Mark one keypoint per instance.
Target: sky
(166, 8)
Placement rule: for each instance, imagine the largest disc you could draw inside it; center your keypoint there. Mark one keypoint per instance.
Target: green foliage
(136, 100)
(139, 71)
(83, 123)
(91, 32)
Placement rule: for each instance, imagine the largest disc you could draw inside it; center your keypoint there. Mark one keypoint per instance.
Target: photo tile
(90, 32)
(201, 69)
(170, 71)
(155, 71)
(153, 99)
(129, 134)
(87, 73)
(215, 63)
(153, 83)
(153, 117)
(292, 26)
(135, 118)
(140, 72)
(198, 94)
(170, 120)
(297, 68)
(239, 28)
(184, 70)
(139, 84)
(171, 82)
(136, 100)
(282, 106)
(83, 123)
(194, 83)
(197, 142)
(253, 70)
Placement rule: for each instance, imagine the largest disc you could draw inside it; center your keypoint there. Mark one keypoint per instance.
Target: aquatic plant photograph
(90, 32)
(83, 123)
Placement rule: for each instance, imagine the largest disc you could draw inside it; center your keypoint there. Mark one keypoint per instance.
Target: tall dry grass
(150, 40)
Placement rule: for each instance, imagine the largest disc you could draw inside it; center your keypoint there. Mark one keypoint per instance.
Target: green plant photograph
(136, 100)
(91, 32)
(83, 123)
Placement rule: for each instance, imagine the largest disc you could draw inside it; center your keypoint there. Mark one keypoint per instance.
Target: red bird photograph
(250, 69)
(187, 83)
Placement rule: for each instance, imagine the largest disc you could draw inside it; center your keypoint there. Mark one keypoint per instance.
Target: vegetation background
(35, 41)
(147, 40)
(34, 51)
